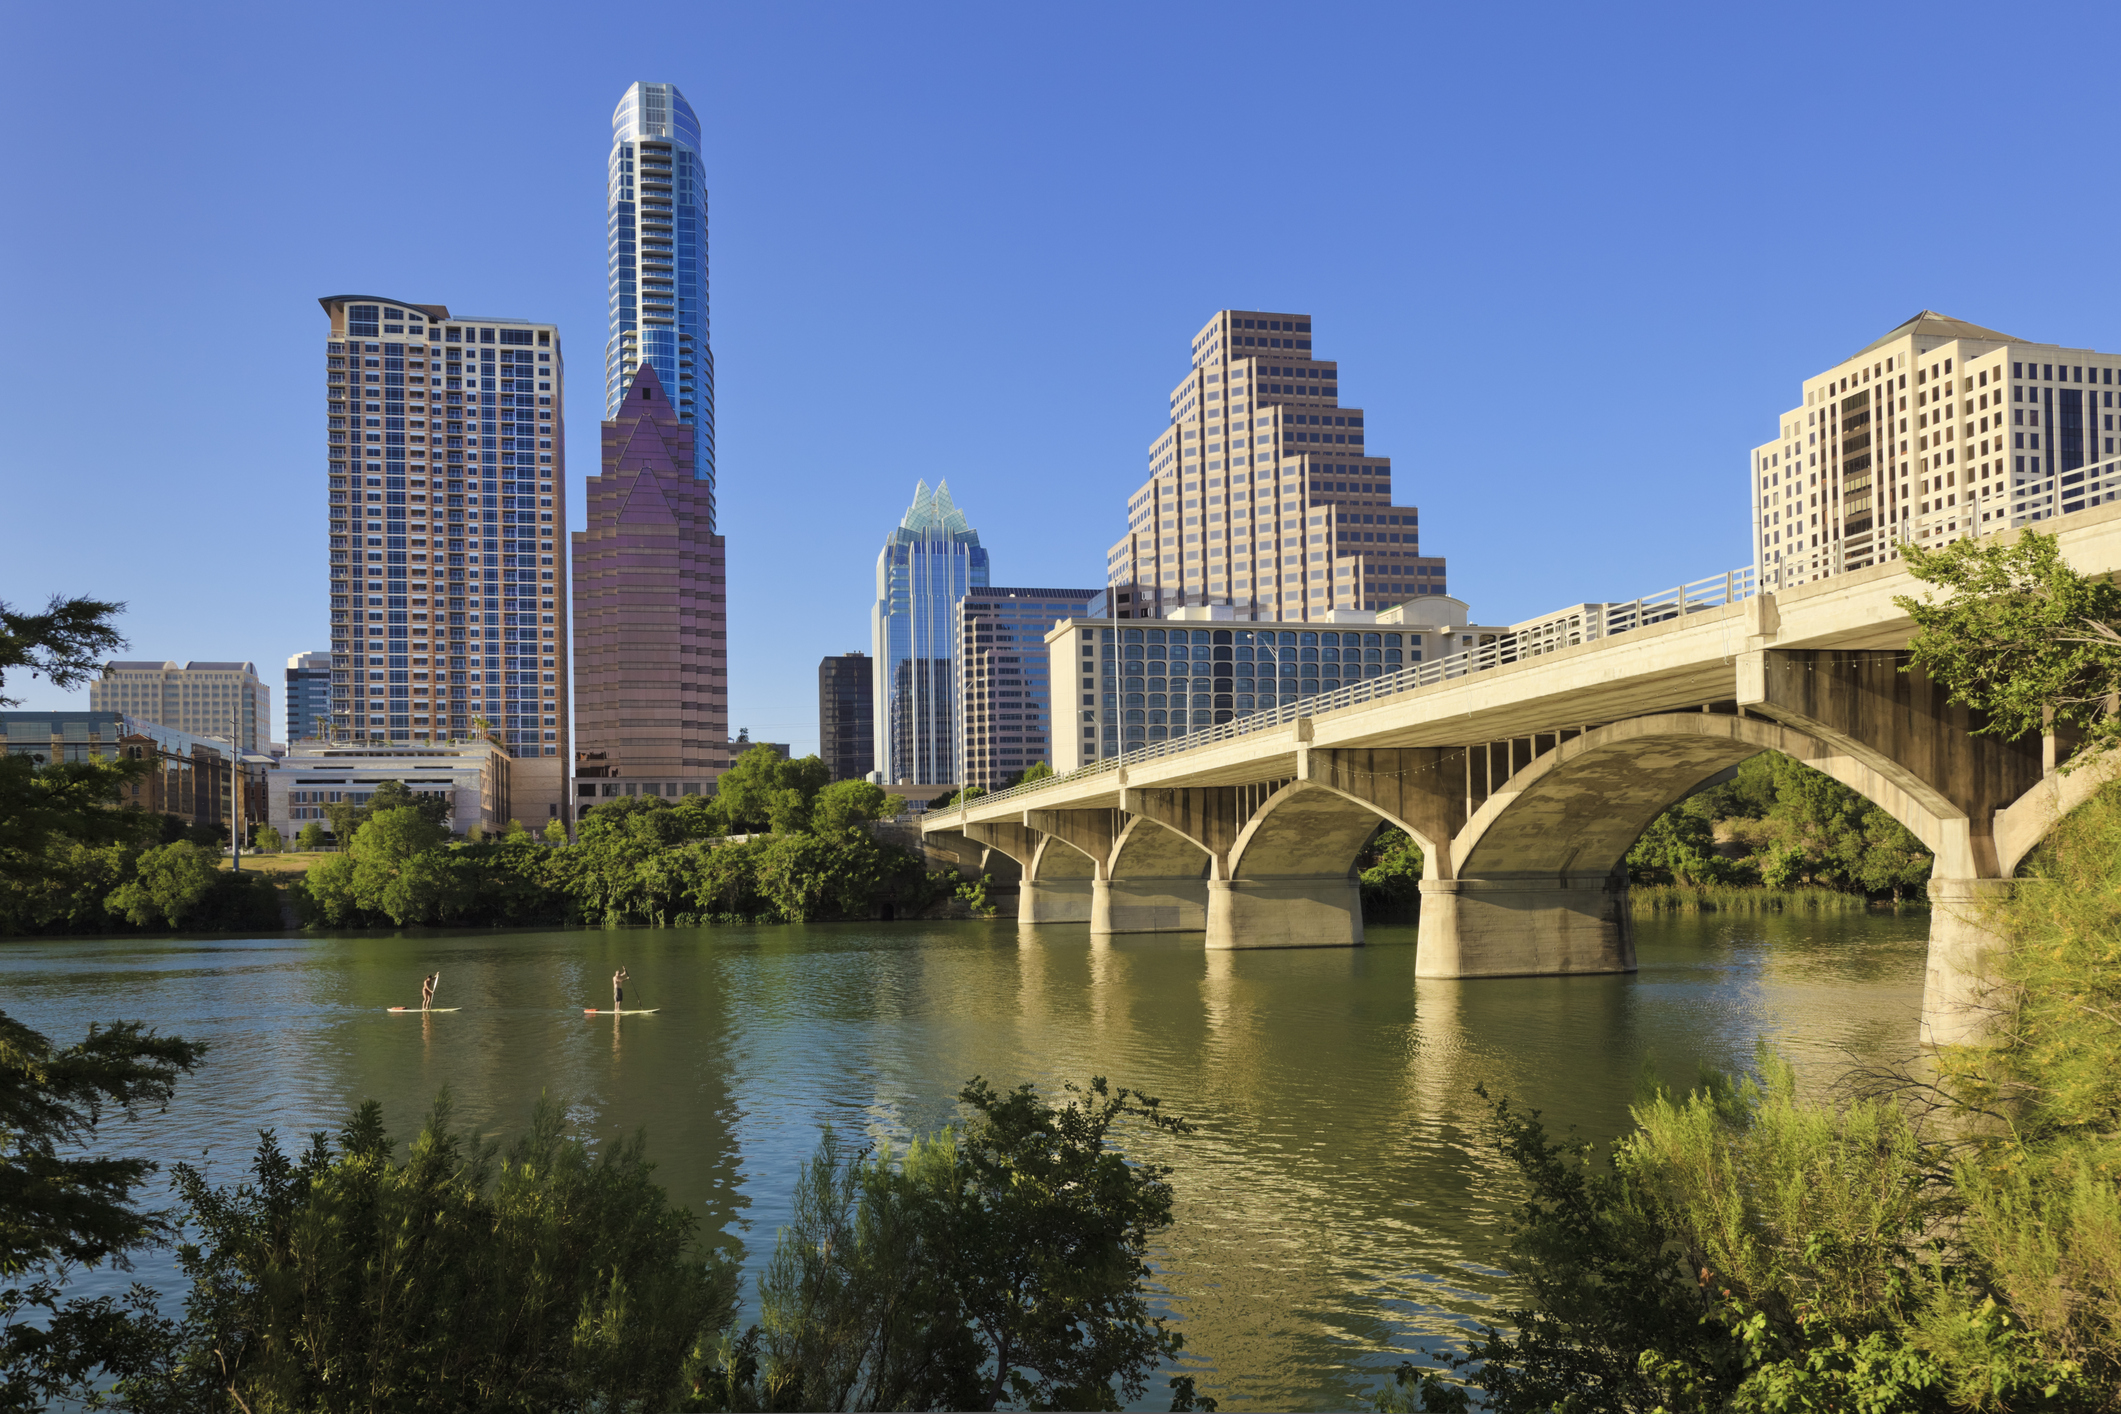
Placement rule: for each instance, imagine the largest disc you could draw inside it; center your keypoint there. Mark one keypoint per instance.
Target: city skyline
(879, 249)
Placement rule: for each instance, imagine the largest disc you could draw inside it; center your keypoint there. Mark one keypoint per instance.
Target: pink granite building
(651, 675)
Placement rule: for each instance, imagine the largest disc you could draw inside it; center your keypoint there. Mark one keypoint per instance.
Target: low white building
(472, 776)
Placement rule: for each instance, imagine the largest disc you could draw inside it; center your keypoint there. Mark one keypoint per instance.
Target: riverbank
(1653, 900)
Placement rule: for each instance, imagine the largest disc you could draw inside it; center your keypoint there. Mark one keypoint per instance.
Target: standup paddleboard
(607, 1011)
(430, 1010)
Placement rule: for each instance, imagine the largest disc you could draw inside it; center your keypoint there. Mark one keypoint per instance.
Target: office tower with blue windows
(308, 697)
(929, 562)
(656, 238)
(447, 497)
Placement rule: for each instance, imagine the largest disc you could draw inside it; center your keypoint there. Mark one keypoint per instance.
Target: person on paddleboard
(427, 989)
(618, 990)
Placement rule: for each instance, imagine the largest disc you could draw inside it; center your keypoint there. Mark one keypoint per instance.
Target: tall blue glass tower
(656, 233)
(927, 564)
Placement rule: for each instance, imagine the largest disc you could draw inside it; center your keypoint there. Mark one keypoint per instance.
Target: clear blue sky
(1572, 260)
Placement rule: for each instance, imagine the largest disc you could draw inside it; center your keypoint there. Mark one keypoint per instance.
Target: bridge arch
(1156, 881)
(1291, 879)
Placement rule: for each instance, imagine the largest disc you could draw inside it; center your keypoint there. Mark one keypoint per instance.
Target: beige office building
(205, 699)
(1262, 494)
(1939, 430)
(447, 500)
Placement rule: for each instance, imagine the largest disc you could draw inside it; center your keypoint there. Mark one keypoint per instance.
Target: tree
(61, 1212)
(268, 840)
(1391, 867)
(1001, 1262)
(763, 790)
(547, 1277)
(168, 885)
(311, 839)
(62, 644)
(555, 832)
(2023, 639)
(844, 807)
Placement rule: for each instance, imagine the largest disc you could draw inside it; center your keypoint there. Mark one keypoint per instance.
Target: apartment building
(308, 697)
(930, 560)
(1205, 665)
(1005, 701)
(1938, 430)
(1262, 493)
(651, 617)
(656, 246)
(447, 498)
(209, 699)
(846, 715)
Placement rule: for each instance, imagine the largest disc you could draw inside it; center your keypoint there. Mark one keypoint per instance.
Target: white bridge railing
(1550, 633)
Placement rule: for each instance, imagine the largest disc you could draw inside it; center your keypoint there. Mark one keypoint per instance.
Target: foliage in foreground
(1945, 1245)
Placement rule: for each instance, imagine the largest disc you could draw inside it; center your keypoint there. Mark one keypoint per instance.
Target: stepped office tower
(650, 630)
(930, 561)
(1939, 430)
(448, 473)
(657, 241)
(1261, 494)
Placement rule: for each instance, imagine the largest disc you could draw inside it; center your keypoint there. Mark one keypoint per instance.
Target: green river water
(1337, 1208)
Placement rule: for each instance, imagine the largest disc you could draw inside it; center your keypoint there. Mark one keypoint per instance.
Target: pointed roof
(934, 511)
(1929, 324)
(644, 378)
(645, 502)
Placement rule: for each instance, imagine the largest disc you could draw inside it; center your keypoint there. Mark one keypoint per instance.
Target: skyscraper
(1905, 440)
(1006, 709)
(846, 715)
(650, 629)
(447, 495)
(928, 563)
(202, 698)
(308, 697)
(1261, 494)
(656, 238)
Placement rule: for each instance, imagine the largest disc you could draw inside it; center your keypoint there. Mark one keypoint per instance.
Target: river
(1337, 1208)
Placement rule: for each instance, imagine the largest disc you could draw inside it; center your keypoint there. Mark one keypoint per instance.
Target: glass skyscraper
(656, 235)
(932, 560)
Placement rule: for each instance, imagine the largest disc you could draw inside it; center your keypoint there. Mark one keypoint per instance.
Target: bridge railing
(1598, 622)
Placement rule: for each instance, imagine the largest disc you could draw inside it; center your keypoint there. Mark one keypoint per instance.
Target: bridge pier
(1298, 912)
(1172, 904)
(1503, 927)
(1961, 972)
(1055, 900)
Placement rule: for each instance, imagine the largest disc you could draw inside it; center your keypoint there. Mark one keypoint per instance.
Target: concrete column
(1956, 1003)
(1151, 905)
(1054, 901)
(1301, 912)
(1523, 928)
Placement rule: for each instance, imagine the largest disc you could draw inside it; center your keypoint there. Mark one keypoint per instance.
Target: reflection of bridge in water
(1526, 772)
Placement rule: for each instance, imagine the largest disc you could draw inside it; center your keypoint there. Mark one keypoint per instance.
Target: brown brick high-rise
(651, 685)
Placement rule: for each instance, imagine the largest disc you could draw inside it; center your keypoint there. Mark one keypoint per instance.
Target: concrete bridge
(1526, 771)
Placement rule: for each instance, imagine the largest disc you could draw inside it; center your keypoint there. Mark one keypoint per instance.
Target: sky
(1572, 261)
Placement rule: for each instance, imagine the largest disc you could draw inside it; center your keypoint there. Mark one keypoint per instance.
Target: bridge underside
(1525, 840)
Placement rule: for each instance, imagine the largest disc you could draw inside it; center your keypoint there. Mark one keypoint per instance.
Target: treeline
(779, 843)
(1002, 1260)
(1782, 825)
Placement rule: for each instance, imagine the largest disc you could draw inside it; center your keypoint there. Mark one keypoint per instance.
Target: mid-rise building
(656, 240)
(473, 776)
(447, 498)
(192, 775)
(309, 697)
(929, 562)
(208, 699)
(1205, 665)
(846, 715)
(1005, 695)
(1938, 430)
(1262, 493)
(651, 639)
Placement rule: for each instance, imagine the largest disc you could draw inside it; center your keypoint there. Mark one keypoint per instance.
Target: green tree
(2020, 637)
(311, 839)
(555, 832)
(763, 784)
(268, 841)
(844, 807)
(1005, 1261)
(1391, 869)
(169, 885)
(63, 1210)
(62, 645)
(547, 1277)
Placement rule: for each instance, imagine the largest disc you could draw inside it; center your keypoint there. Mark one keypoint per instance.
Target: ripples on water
(1337, 1208)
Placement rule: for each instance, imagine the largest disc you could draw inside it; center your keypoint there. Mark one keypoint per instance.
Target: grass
(1649, 900)
(291, 862)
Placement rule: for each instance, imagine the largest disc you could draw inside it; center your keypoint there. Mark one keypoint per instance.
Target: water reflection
(1337, 1207)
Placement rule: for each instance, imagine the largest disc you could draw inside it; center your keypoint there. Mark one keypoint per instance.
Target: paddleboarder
(427, 989)
(618, 990)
